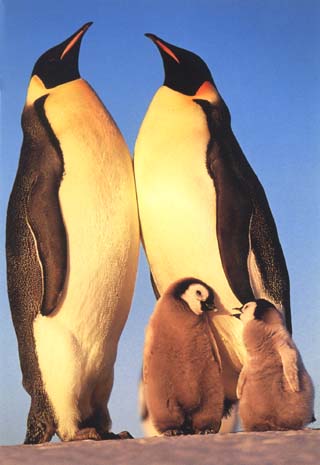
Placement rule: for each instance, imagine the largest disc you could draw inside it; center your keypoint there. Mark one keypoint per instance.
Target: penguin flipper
(43, 211)
(154, 286)
(45, 220)
(269, 257)
(289, 359)
(233, 217)
(241, 383)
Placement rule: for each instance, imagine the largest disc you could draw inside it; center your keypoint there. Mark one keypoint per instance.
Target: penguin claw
(86, 433)
(125, 435)
(173, 432)
(109, 435)
(208, 431)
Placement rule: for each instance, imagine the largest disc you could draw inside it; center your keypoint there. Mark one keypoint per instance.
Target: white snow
(269, 448)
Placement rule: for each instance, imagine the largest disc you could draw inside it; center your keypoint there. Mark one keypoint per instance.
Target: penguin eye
(198, 293)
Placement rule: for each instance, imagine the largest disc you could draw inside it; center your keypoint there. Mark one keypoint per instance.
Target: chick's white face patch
(194, 295)
(248, 312)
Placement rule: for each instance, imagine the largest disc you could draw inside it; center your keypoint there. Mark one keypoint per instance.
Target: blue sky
(264, 59)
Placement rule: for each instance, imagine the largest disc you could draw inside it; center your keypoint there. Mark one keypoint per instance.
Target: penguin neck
(174, 114)
(168, 99)
(177, 312)
(208, 92)
(37, 89)
(205, 92)
(257, 338)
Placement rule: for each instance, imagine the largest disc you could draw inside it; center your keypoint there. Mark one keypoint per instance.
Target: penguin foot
(207, 431)
(39, 435)
(125, 435)
(86, 433)
(40, 428)
(109, 435)
(173, 432)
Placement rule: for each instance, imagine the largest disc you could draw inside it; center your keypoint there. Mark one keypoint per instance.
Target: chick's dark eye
(198, 293)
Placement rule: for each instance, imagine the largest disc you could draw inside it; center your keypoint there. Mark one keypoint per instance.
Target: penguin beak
(208, 307)
(162, 46)
(59, 64)
(74, 39)
(239, 312)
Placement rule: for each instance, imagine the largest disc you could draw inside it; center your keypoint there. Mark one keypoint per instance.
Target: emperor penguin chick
(181, 367)
(274, 388)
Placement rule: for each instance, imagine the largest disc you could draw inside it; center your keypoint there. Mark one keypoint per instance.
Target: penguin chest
(176, 196)
(97, 199)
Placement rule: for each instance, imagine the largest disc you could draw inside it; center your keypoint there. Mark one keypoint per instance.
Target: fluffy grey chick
(274, 388)
(181, 366)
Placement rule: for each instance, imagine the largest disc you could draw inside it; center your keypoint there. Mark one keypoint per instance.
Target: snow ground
(269, 448)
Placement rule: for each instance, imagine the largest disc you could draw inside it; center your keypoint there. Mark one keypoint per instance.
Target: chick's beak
(238, 315)
(208, 306)
(238, 312)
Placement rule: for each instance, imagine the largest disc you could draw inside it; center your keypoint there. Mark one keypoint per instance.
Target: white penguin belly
(98, 203)
(177, 204)
(98, 253)
(177, 199)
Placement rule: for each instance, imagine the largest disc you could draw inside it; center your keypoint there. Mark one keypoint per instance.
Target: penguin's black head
(60, 64)
(260, 310)
(265, 311)
(185, 71)
(197, 294)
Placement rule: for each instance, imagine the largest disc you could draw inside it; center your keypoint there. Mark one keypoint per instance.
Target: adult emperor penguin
(181, 368)
(274, 388)
(203, 211)
(72, 249)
